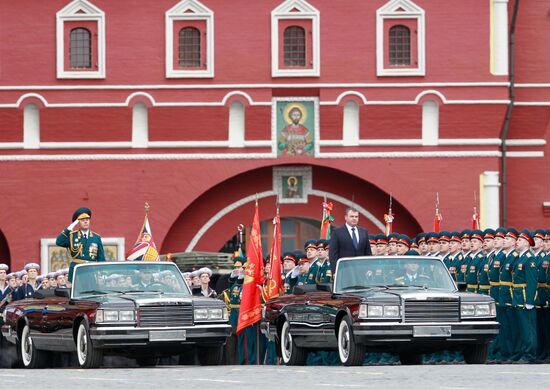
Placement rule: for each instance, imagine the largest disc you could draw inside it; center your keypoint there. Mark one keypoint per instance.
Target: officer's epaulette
(480, 255)
(515, 254)
(529, 255)
(73, 232)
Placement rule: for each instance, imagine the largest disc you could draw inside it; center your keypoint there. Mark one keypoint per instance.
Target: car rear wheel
(209, 356)
(410, 359)
(29, 355)
(351, 353)
(291, 354)
(476, 354)
(89, 357)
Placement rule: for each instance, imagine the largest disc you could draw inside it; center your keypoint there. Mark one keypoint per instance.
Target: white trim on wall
(266, 85)
(223, 156)
(410, 11)
(189, 10)
(80, 10)
(305, 11)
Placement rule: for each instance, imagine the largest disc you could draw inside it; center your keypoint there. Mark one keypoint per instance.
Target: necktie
(85, 236)
(354, 238)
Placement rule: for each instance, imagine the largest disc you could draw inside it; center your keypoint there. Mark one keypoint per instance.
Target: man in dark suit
(350, 240)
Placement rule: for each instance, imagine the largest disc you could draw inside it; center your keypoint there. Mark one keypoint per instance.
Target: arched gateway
(211, 220)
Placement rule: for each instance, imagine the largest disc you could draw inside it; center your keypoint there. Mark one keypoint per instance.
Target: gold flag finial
(147, 207)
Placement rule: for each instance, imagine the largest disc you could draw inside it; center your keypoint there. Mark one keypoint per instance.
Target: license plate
(435, 331)
(163, 336)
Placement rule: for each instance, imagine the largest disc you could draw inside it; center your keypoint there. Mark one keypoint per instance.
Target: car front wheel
(29, 355)
(292, 355)
(351, 353)
(89, 357)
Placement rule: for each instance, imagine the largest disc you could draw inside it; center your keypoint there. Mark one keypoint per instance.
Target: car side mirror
(324, 287)
(461, 286)
(63, 292)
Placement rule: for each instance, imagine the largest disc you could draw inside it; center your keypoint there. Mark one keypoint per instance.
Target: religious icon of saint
(295, 138)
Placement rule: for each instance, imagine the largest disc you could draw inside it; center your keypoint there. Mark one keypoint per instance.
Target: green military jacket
(495, 260)
(319, 272)
(289, 283)
(473, 270)
(235, 294)
(524, 280)
(456, 265)
(542, 289)
(81, 249)
(483, 283)
(505, 287)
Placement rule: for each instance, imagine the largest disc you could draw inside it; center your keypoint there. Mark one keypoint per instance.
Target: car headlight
(375, 310)
(391, 310)
(113, 315)
(378, 311)
(216, 314)
(478, 310)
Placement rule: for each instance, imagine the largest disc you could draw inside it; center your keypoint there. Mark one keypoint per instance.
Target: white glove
(529, 306)
(295, 272)
(73, 225)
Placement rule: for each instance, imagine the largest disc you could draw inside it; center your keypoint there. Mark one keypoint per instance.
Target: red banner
(437, 222)
(274, 282)
(251, 308)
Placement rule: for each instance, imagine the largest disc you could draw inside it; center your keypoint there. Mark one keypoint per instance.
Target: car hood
(153, 298)
(398, 294)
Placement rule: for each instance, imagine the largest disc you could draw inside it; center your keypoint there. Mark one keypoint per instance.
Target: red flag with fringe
(251, 308)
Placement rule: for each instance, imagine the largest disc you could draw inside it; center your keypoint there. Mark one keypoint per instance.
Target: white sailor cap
(64, 271)
(3, 266)
(10, 276)
(203, 270)
(32, 265)
(39, 279)
(186, 274)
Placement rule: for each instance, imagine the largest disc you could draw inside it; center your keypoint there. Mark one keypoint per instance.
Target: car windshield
(399, 272)
(128, 277)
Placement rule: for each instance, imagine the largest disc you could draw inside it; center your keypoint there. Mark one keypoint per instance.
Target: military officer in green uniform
(524, 287)
(495, 259)
(319, 271)
(542, 298)
(421, 242)
(546, 309)
(483, 282)
(291, 272)
(444, 252)
(455, 250)
(381, 245)
(403, 244)
(477, 259)
(232, 298)
(303, 269)
(505, 293)
(83, 245)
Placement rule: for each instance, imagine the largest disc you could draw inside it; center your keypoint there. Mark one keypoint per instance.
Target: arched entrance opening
(294, 231)
(212, 219)
(5, 251)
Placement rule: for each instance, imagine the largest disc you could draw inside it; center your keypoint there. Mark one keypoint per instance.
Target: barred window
(400, 45)
(80, 48)
(295, 46)
(189, 53)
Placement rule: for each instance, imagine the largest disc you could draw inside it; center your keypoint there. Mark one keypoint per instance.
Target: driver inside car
(411, 276)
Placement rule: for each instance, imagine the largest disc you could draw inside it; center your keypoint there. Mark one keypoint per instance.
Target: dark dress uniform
(483, 282)
(524, 285)
(505, 301)
(473, 270)
(455, 267)
(235, 294)
(494, 260)
(80, 247)
(542, 298)
(25, 291)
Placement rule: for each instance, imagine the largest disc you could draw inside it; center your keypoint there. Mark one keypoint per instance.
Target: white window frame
(70, 13)
(283, 12)
(198, 11)
(411, 11)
